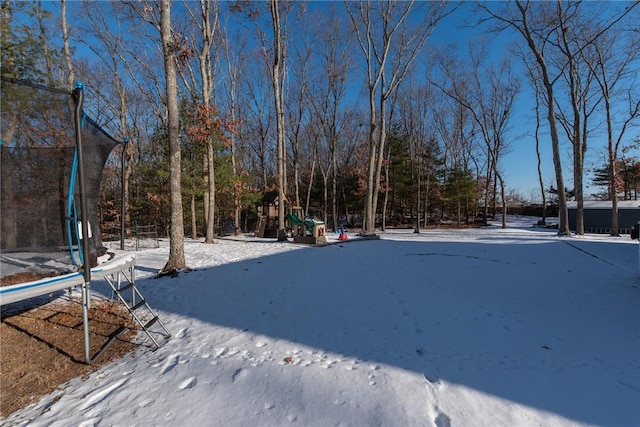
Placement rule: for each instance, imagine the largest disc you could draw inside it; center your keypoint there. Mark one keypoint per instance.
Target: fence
(136, 237)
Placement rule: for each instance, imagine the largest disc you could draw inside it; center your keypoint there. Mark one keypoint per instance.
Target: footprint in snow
(171, 363)
(235, 375)
(146, 403)
(101, 394)
(442, 420)
(217, 352)
(432, 378)
(188, 383)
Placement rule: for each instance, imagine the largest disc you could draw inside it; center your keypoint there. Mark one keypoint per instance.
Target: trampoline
(52, 155)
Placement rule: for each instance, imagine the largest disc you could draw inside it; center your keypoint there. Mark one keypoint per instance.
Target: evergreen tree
(461, 193)
(630, 173)
(401, 171)
(432, 170)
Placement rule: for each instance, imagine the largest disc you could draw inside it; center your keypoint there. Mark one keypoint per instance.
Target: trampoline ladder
(138, 306)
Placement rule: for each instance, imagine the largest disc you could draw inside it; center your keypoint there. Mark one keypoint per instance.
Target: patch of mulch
(42, 345)
(23, 277)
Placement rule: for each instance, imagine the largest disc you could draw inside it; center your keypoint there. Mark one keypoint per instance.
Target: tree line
(349, 110)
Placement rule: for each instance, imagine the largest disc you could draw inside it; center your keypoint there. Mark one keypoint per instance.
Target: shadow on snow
(540, 324)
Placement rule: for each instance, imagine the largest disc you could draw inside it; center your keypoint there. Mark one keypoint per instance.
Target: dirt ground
(42, 343)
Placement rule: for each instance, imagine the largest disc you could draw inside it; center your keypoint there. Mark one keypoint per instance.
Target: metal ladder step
(136, 295)
(151, 322)
(126, 287)
(138, 305)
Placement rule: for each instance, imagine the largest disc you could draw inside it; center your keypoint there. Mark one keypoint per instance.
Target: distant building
(597, 215)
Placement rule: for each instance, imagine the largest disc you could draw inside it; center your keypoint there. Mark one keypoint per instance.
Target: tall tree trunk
(205, 196)
(194, 221)
(576, 134)
(368, 222)
(418, 197)
(233, 82)
(211, 178)
(563, 225)
(539, 168)
(176, 259)
(381, 151)
(386, 191)
(311, 176)
(67, 51)
(277, 80)
(236, 184)
(613, 167)
(521, 24)
(43, 38)
(207, 29)
(325, 196)
(334, 188)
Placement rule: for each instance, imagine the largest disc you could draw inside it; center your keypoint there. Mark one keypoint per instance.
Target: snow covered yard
(473, 327)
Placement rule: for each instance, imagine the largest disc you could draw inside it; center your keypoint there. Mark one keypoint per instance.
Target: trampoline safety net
(39, 192)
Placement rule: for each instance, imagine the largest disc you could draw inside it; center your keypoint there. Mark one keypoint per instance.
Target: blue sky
(519, 165)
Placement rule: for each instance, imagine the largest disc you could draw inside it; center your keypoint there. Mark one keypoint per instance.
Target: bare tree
(536, 27)
(207, 22)
(65, 44)
(577, 80)
(44, 38)
(108, 45)
(176, 259)
(328, 99)
(140, 58)
(277, 79)
(233, 59)
(455, 126)
(256, 129)
(297, 112)
(556, 34)
(415, 117)
(489, 97)
(388, 54)
(313, 131)
(543, 192)
(610, 60)
(274, 52)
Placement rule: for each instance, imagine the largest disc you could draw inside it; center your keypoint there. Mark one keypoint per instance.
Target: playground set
(309, 231)
(51, 160)
(268, 215)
